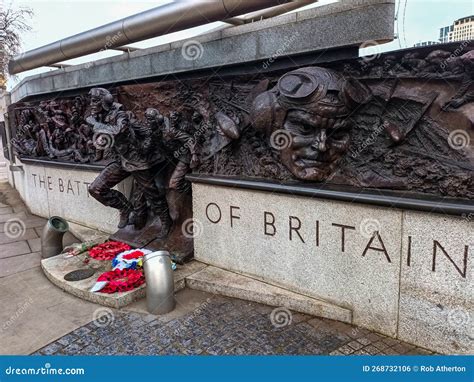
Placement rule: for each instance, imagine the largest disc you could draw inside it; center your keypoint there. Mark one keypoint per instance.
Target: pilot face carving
(316, 144)
(311, 107)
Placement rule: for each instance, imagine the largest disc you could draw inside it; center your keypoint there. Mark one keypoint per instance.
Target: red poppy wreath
(108, 250)
(121, 280)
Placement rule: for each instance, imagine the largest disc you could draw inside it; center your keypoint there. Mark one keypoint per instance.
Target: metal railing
(172, 17)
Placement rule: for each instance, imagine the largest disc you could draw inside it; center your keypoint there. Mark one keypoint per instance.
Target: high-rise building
(461, 30)
(444, 33)
(425, 43)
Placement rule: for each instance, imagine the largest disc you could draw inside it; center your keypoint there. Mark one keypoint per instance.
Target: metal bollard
(159, 282)
(52, 237)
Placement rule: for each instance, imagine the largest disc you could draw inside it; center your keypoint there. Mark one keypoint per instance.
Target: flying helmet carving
(307, 89)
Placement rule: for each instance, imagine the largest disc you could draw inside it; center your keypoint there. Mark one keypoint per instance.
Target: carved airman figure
(112, 123)
(183, 148)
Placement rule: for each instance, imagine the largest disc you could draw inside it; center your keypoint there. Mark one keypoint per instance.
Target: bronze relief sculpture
(403, 121)
(133, 156)
(310, 109)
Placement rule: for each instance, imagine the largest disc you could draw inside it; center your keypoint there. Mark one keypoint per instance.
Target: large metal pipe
(159, 282)
(172, 17)
(52, 237)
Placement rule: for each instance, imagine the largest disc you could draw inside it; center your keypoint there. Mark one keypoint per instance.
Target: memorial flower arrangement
(121, 280)
(126, 274)
(108, 250)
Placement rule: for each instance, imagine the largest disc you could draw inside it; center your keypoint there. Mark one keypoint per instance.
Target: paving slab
(5, 210)
(30, 221)
(20, 208)
(20, 234)
(11, 265)
(13, 249)
(37, 313)
(35, 244)
(20, 216)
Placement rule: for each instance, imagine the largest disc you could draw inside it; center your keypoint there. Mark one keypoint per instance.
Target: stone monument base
(194, 275)
(55, 268)
(406, 274)
(51, 189)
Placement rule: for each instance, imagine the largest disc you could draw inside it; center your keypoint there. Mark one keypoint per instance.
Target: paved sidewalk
(20, 231)
(221, 326)
(19, 234)
(37, 317)
(33, 312)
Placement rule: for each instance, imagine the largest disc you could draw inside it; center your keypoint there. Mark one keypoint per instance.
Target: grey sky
(57, 19)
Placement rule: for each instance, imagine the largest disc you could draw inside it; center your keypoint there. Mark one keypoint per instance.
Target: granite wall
(405, 274)
(50, 190)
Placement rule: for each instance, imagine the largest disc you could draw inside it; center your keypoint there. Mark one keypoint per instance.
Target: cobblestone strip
(223, 326)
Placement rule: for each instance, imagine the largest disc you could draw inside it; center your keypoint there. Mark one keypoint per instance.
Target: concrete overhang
(338, 25)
